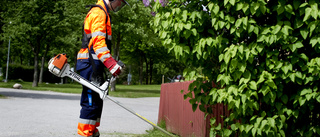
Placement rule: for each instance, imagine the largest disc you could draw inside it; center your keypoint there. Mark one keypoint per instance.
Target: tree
(262, 56)
(44, 25)
(138, 42)
(141, 48)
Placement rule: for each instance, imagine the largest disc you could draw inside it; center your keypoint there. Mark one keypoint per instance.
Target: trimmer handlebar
(59, 67)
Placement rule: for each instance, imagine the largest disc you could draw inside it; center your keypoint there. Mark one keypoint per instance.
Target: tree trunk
(116, 57)
(21, 59)
(75, 58)
(151, 67)
(35, 73)
(141, 69)
(147, 71)
(41, 70)
(42, 64)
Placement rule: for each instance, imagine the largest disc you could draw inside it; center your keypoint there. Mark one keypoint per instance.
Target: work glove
(114, 66)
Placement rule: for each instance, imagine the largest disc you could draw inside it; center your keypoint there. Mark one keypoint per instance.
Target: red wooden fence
(178, 114)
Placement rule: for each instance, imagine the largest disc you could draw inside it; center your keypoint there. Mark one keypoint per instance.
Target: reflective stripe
(98, 33)
(98, 120)
(86, 129)
(90, 97)
(104, 57)
(101, 50)
(87, 121)
(115, 68)
(86, 56)
(109, 37)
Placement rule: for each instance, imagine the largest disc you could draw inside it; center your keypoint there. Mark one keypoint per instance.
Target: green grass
(135, 91)
(150, 133)
(1, 96)
(129, 91)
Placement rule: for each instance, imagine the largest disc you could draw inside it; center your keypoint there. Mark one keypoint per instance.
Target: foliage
(263, 55)
(140, 46)
(25, 73)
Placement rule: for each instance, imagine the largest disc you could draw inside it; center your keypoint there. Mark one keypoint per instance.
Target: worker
(96, 40)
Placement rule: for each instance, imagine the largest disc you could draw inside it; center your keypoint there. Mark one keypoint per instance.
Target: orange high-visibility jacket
(96, 27)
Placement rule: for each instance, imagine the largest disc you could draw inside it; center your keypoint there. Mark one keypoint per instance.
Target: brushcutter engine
(56, 64)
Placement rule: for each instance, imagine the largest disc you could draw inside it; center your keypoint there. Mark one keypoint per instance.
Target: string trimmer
(60, 67)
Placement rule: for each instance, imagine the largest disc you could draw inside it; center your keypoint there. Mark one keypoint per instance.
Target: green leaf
(225, 2)
(253, 85)
(254, 7)
(280, 9)
(292, 77)
(239, 6)
(248, 128)
(318, 99)
(163, 34)
(237, 103)
(227, 58)
(232, 2)
(276, 29)
(304, 57)
(286, 68)
(216, 9)
(187, 26)
(186, 34)
(238, 22)
(307, 14)
(194, 107)
(221, 57)
(314, 41)
(313, 26)
(194, 32)
(314, 12)
(210, 6)
(184, 15)
(254, 131)
(227, 132)
(284, 99)
(289, 9)
(263, 123)
(213, 21)
(306, 91)
(165, 24)
(285, 29)
(251, 28)
(296, 46)
(221, 24)
(264, 90)
(296, 4)
(302, 100)
(304, 33)
(209, 41)
(271, 122)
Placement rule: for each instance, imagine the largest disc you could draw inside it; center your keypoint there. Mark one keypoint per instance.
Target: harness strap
(85, 44)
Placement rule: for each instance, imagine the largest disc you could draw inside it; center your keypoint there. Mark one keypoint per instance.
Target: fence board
(178, 114)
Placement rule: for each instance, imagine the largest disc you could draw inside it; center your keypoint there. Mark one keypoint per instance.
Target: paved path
(27, 113)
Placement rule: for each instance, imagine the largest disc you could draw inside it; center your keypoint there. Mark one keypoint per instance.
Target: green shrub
(25, 73)
(263, 54)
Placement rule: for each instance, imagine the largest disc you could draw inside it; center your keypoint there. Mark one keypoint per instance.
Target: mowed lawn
(129, 91)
